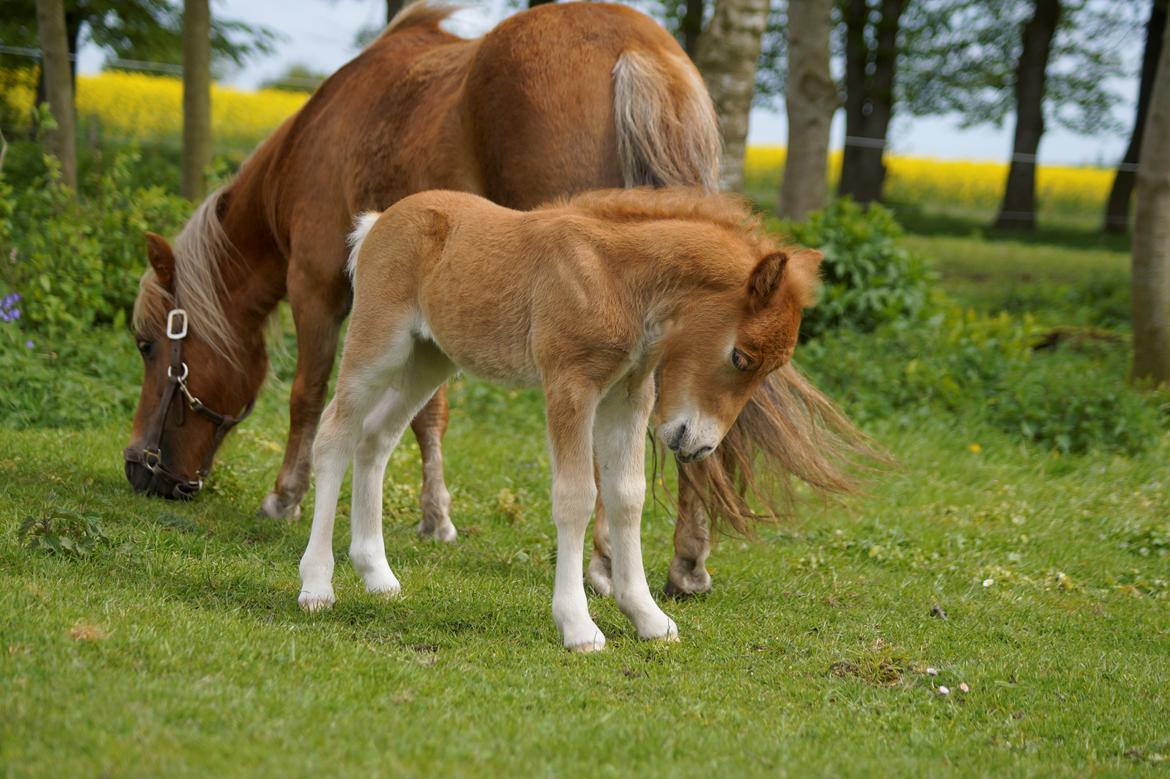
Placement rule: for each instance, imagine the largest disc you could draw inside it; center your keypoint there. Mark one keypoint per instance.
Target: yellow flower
(974, 448)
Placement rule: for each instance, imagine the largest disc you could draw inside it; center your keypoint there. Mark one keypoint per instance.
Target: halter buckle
(177, 324)
(151, 459)
(180, 378)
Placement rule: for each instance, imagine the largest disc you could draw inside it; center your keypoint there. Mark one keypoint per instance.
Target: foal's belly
(493, 350)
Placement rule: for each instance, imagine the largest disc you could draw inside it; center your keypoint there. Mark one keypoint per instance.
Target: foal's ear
(162, 259)
(765, 278)
(804, 275)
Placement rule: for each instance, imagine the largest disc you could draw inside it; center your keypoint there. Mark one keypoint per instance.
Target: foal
(617, 303)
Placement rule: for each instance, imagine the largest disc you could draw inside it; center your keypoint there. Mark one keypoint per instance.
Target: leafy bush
(76, 262)
(869, 280)
(62, 532)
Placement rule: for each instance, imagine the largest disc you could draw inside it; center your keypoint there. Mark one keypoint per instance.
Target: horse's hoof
(601, 576)
(316, 600)
(444, 532)
(584, 639)
(681, 585)
(276, 507)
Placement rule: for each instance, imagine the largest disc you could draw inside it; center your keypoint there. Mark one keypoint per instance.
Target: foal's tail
(667, 134)
(362, 224)
(788, 428)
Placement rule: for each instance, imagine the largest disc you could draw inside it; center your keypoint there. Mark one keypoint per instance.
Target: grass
(176, 647)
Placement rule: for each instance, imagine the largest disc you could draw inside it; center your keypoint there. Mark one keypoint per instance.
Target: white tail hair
(362, 224)
(665, 137)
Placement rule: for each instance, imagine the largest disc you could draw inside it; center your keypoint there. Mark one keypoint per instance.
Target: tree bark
(869, 96)
(1117, 207)
(1150, 274)
(727, 55)
(51, 31)
(692, 26)
(811, 100)
(196, 97)
(1018, 209)
(392, 9)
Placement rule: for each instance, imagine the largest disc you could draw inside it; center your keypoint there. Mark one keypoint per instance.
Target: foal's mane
(730, 212)
(200, 250)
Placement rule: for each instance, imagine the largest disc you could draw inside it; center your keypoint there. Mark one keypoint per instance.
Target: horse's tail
(788, 428)
(667, 133)
(362, 224)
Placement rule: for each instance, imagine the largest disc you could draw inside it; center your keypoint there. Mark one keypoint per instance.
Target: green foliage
(76, 262)
(868, 278)
(63, 532)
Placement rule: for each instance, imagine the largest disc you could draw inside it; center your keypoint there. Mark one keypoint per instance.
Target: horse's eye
(145, 347)
(741, 361)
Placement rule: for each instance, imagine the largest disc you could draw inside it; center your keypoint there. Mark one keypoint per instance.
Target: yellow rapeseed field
(142, 107)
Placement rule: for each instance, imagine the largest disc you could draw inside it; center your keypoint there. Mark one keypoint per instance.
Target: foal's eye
(145, 347)
(741, 361)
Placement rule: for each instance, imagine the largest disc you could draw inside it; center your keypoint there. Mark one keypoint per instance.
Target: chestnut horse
(616, 303)
(555, 100)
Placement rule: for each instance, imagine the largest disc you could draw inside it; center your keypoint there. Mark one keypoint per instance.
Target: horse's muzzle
(146, 474)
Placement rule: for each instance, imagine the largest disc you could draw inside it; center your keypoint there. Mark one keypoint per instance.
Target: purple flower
(28, 344)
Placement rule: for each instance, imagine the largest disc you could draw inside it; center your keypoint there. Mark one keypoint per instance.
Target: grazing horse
(616, 303)
(556, 100)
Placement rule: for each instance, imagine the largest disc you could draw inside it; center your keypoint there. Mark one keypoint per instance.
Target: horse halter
(150, 455)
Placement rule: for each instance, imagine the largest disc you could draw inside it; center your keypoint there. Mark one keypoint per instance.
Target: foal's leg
(426, 369)
(429, 426)
(571, 411)
(600, 562)
(620, 441)
(692, 544)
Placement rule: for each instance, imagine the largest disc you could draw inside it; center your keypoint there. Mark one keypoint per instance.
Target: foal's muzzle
(146, 473)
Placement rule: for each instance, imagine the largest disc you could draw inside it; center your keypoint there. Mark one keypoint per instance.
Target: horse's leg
(571, 410)
(429, 426)
(318, 316)
(620, 441)
(692, 544)
(426, 368)
(600, 564)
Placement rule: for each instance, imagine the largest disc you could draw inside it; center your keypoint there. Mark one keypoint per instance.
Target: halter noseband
(150, 455)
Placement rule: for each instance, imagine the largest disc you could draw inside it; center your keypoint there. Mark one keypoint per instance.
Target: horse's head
(724, 344)
(201, 374)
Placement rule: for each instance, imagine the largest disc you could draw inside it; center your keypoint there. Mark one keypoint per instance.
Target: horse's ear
(765, 279)
(804, 271)
(162, 259)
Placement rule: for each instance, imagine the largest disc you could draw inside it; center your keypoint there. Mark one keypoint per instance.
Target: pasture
(170, 641)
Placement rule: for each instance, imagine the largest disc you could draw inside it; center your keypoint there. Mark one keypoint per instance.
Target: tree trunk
(1117, 207)
(196, 97)
(727, 55)
(869, 96)
(692, 26)
(811, 100)
(1150, 275)
(1018, 209)
(58, 85)
(534, 3)
(392, 8)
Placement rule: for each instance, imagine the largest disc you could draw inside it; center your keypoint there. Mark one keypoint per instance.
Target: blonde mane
(200, 250)
(733, 213)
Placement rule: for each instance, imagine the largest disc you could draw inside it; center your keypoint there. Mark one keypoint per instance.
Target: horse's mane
(200, 250)
(730, 212)
(419, 14)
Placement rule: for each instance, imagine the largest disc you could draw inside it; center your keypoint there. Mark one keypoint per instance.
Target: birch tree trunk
(1018, 208)
(1150, 275)
(811, 99)
(727, 55)
(58, 78)
(196, 97)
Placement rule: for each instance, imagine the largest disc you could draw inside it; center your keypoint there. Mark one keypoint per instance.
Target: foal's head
(201, 373)
(723, 345)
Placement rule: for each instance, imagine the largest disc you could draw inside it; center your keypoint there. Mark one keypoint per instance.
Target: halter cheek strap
(150, 455)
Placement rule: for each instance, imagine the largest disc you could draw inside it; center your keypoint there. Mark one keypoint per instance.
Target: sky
(320, 34)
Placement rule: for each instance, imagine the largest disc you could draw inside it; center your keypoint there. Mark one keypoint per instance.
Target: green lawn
(177, 648)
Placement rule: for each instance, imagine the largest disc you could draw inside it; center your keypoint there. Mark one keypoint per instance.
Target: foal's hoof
(278, 507)
(687, 580)
(601, 576)
(444, 532)
(584, 639)
(316, 600)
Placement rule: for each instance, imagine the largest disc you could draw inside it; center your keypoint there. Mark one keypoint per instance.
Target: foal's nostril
(699, 454)
(676, 442)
